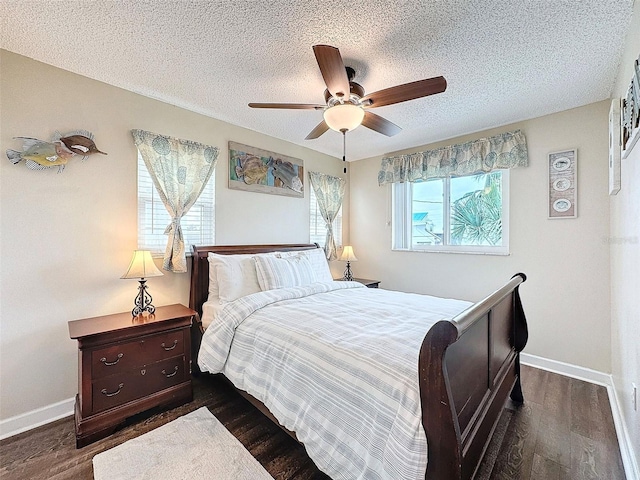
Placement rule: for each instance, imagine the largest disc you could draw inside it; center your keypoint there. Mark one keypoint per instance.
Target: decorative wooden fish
(41, 155)
(81, 145)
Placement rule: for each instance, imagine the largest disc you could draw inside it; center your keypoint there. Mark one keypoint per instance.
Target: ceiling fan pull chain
(344, 148)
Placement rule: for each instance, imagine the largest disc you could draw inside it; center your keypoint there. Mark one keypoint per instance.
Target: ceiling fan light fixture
(342, 117)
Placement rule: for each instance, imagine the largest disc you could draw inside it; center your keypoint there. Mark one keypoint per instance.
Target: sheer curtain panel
(329, 192)
(180, 170)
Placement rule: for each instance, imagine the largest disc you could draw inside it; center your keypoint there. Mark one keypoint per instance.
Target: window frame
(151, 197)
(401, 231)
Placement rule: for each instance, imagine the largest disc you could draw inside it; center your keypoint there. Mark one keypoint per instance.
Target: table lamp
(348, 256)
(142, 267)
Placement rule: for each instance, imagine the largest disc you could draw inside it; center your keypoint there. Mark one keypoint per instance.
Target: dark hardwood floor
(564, 431)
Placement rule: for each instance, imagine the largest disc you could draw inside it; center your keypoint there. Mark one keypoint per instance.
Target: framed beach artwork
(255, 170)
(563, 186)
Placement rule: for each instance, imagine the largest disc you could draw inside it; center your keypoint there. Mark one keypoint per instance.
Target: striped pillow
(274, 272)
(318, 261)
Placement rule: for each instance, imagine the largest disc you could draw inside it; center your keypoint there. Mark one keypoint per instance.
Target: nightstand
(127, 365)
(365, 281)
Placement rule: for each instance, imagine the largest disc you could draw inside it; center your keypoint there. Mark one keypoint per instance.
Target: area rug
(194, 446)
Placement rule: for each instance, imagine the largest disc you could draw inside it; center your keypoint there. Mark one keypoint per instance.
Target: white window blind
(317, 227)
(198, 225)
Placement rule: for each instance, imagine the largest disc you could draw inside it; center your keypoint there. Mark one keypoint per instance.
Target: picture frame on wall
(615, 145)
(563, 185)
(256, 170)
(630, 113)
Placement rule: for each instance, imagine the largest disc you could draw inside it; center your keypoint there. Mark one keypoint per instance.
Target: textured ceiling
(504, 61)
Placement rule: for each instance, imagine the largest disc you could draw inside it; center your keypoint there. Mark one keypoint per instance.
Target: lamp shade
(344, 116)
(347, 254)
(142, 266)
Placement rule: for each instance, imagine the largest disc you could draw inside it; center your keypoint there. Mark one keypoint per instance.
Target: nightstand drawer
(123, 387)
(121, 358)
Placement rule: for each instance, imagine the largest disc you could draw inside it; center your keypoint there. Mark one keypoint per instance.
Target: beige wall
(566, 296)
(625, 262)
(65, 239)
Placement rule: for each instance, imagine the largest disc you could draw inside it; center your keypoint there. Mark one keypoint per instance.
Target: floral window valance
(507, 150)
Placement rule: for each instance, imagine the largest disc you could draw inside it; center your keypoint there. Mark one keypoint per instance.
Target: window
(454, 214)
(198, 225)
(317, 227)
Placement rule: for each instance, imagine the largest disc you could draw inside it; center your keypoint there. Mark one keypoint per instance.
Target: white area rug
(195, 446)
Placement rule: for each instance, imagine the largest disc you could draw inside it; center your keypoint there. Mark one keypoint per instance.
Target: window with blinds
(317, 227)
(198, 225)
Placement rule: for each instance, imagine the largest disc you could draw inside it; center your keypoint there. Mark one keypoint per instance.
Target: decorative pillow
(282, 272)
(318, 261)
(235, 276)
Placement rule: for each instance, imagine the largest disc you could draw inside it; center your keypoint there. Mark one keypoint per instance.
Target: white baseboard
(566, 369)
(35, 418)
(626, 447)
(599, 378)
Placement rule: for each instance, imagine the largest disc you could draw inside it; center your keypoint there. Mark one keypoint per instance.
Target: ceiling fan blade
(379, 124)
(333, 70)
(406, 91)
(293, 106)
(317, 131)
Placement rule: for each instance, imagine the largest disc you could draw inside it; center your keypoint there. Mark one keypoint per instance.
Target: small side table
(365, 281)
(127, 365)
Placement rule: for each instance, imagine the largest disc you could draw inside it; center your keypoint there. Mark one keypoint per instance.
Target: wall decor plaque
(563, 185)
(255, 170)
(630, 116)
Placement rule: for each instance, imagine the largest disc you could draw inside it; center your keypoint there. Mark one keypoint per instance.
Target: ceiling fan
(347, 106)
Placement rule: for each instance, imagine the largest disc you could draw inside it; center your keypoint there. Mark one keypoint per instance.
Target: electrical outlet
(634, 397)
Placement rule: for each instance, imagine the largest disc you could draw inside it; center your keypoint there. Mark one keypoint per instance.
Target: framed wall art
(614, 147)
(255, 170)
(563, 185)
(630, 116)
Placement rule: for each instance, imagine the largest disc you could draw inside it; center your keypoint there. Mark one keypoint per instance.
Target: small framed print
(615, 145)
(630, 115)
(563, 185)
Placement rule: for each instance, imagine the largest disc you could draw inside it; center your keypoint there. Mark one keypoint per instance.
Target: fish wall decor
(42, 155)
(256, 170)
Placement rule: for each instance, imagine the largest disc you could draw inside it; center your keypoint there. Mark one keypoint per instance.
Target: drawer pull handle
(163, 345)
(108, 364)
(175, 371)
(104, 391)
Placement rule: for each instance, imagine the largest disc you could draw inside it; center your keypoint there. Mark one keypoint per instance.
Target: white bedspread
(337, 364)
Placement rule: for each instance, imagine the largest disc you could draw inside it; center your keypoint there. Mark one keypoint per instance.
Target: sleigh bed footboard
(468, 367)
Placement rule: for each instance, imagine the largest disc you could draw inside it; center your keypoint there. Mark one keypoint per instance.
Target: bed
(466, 367)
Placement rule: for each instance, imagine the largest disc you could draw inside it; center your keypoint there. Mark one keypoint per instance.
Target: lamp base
(347, 273)
(143, 300)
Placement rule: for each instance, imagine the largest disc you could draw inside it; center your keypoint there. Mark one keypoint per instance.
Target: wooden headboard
(200, 265)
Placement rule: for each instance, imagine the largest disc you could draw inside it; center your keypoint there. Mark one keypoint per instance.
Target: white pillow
(318, 261)
(235, 276)
(282, 272)
(213, 280)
